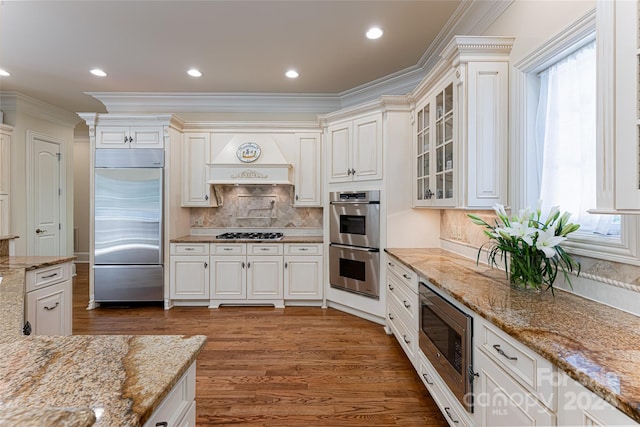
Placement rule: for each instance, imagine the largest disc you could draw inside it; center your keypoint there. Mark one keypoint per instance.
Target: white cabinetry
(580, 407)
(196, 153)
(308, 170)
(246, 272)
(129, 137)
(48, 300)
(178, 408)
(189, 271)
(5, 175)
(402, 307)
(355, 149)
(461, 126)
(303, 271)
(618, 116)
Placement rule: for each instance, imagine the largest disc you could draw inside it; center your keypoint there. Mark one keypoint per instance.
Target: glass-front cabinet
(435, 148)
(460, 126)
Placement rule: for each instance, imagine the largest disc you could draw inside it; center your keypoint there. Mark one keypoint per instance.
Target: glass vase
(525, 273)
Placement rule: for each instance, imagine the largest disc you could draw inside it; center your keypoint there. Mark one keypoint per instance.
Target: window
(553, 132)
(565, 140)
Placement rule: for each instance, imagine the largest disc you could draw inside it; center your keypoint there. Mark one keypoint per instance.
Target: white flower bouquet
(529, 246)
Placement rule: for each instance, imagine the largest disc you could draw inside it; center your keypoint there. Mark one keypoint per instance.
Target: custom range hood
(250, 159)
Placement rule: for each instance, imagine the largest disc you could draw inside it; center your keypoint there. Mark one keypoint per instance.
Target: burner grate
(255, 235)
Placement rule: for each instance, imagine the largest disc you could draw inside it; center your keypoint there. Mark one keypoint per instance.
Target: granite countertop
(597, 345)
(81, 380)
(213, 239)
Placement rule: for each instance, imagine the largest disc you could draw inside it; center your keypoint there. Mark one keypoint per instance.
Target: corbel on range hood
(250, 159)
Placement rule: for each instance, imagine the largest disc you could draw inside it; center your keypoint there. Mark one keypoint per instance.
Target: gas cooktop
(255, 235)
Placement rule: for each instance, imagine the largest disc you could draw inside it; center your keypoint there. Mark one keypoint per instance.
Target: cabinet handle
(406, 276)
(426, 379)
(188, 249)
(51, 308)
(404, 337)
(249, 264)
(206, 265)
(162, 424)
(353, 172)
(242, 264)
(348, 171)
(296, 197)
(391, 316)
(206, 197)
(406, 304)
(50, 276)
(304, 249)
(391, 287)
(227, 249)
(285, 264)
(450, 416)
(390, 264)
(264, 249)
(502, 353)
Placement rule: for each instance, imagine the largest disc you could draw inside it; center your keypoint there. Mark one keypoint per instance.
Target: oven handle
(357, 202)
(355, 248)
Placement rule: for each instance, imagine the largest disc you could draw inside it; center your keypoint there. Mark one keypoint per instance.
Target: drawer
(522, 364)
(405, 335)
(398, 292)
(190, 249)
(178, 403)
(228, 249)
(302, 249)
(47, 276)
(403, 272)
(264, 249)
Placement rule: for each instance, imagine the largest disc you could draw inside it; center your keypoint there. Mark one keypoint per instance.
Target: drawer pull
(264, 249)
(502, 353)
(426, 378)
(162, 424)
(391, 316)
(227, 249)
(50, 276)
(304, 249)
(406, 304)
(404, 337)
(390, 287)
(450, 416)
(189, 249)
(391, 264)
(51, 308)
(406, 276)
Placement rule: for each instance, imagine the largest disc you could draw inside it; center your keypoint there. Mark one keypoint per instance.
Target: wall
(258, 206)
(28, 114)
(81, 196)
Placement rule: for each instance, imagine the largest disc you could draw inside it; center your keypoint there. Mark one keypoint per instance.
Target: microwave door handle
(355, 248)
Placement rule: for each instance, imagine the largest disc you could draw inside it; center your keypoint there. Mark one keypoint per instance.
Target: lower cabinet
(402, 307)
(302, 271)
(245, 273)
(178, 409)
(48, 300)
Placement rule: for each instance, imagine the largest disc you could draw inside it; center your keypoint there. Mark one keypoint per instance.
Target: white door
(264, 277)
(46, 194)
(228, 277)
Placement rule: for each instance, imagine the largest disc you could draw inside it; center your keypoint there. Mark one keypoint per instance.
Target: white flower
(524, 215)
(500, 210)
(522, 231)
(547, 242)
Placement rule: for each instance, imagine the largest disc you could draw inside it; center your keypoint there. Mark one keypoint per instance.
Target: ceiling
(240, 46)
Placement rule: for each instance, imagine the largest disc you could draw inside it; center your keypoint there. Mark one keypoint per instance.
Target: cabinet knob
(206, 197)
(296, 197)
(206, 265)
(353, 171)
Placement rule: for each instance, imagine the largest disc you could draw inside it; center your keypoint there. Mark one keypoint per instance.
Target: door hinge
(59, 226)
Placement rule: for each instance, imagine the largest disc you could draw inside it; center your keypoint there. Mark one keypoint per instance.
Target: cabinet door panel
(49, 309)
(5, 163)
(264, 277)
(195, 155)
(146, 137)
(111, 137)
(189, 277)
(228, 277)
(340, 152)
(303, 277)
(367, 152)
(308, 171)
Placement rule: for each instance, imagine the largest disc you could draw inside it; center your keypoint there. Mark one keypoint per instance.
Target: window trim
(524, 95)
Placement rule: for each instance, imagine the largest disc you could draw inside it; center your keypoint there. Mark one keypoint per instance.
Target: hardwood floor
(281, 367)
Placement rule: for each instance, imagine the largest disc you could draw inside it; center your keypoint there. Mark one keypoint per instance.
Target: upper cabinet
(460, 124)
(5, 175)
(129, 137)
(618, 113)
(196, 153)
(308, 170)
(355, 149)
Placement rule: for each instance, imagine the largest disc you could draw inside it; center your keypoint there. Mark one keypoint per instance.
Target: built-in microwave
(444, 337)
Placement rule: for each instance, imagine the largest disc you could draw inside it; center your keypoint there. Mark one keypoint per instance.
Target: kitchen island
(594, 344)
(102, 380)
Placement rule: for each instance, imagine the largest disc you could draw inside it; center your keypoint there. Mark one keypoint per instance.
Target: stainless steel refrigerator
(128, 225)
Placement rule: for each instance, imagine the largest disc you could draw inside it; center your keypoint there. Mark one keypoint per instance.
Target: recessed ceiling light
(4, 73)
(98, 72)
(292, 74)
(194, 73)
(374, 33)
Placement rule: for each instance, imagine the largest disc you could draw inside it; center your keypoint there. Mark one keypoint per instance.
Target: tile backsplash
(257, 206)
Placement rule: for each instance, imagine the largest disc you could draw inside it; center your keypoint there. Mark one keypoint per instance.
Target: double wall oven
(354, 232)
(444, 336)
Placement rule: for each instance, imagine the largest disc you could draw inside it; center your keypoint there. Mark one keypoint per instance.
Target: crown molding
(23, 104)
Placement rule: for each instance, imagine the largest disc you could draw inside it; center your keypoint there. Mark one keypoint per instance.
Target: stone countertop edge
(213, 239)
(32, 262)
(595, 344)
